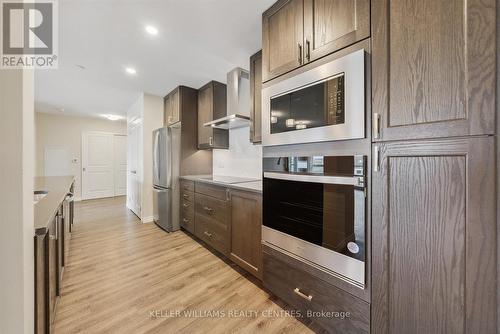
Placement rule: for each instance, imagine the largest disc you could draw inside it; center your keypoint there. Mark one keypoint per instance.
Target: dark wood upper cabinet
(282, 38)
(330, 25)
(212, 105)
(172, 107)
(246, 227)
(296, 32)
(256, 97)
(433, 237)
(433, 68)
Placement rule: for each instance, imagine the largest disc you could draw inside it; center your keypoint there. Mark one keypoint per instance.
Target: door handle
(133, 172)
(84, 169)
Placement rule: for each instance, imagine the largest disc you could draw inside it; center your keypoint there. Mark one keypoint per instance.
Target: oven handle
(357, 181)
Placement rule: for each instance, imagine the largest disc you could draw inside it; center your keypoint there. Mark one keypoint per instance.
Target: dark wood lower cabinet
(434, 237)
(333, 308)
(42, 321)
(246, 231)
(53, 270)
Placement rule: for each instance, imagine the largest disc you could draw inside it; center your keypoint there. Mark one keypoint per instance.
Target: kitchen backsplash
(242, 159)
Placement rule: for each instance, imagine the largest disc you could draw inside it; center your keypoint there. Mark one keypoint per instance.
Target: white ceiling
(198, 41)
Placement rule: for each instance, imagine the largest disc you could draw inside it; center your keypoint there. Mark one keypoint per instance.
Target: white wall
(242, 159)
(63, 131)
(16, 201)
(146, 114)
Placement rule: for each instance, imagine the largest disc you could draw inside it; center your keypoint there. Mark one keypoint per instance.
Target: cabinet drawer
(211, 190)
(186, 205)
(187, 219)
(309, 293)
(187, 185)
(187, 196)
(213, 233)
(211, 208)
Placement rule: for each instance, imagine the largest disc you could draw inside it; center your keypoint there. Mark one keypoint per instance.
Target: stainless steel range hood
(238, 101)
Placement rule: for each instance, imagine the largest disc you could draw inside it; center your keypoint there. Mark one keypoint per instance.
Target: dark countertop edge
(236, 186)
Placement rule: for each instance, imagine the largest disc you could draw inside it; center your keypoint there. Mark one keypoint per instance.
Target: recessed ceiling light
(130, 70)
(112, 117)
(151, 30)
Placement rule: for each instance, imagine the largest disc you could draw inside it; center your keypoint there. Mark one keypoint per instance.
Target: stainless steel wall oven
(314, 207)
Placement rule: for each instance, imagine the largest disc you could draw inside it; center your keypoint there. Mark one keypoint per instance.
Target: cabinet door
(167, 115)
(174, 107)
(53, 270)
(41, 267)
(256, 97)
(433, 68)
(282, 35)
(246, 226)
(205, 112)
(330, 25)
(433, 235)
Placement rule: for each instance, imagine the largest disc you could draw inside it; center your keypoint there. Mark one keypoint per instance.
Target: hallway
(126, 277)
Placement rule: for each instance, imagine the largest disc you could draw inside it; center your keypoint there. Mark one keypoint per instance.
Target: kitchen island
(53, 218)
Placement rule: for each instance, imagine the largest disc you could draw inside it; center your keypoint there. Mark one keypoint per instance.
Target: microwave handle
(357, 181)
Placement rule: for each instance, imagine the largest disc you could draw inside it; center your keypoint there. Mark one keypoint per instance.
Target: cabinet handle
(210, 141)
(376, 157)
(57, 228)
(207, 234)
(185, 205)
(206, 208)
(303, 295)
(300, 54)
(185, 220)
(185, 195)
(308, 50)
(376, 125)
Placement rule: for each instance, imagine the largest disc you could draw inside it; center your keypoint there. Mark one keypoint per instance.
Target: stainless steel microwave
(322, 104)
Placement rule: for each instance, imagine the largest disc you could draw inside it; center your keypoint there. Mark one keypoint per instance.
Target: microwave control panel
(335, 100)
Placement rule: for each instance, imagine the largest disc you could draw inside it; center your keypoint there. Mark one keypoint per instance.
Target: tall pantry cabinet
(434, 251)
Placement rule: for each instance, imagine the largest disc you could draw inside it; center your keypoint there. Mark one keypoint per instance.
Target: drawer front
(187, 219)
(211, 190)
(211, 208)
(212, 233)
(309, 293)
(186, 205)
(187, 195)
(187, 185)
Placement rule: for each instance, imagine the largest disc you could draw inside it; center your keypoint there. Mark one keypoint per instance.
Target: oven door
(318, 218)
(322, 104)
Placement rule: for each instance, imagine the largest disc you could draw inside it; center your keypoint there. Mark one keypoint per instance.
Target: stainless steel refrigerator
(166, 166)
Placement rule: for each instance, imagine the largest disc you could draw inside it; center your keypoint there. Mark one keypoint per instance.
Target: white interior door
(134, 184)
(120, 162)
(97, 165)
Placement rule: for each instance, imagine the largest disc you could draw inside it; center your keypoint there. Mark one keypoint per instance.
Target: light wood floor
(121, 270)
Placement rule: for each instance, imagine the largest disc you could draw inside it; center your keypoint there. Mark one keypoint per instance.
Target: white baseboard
(77, 199)
(146, 220)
